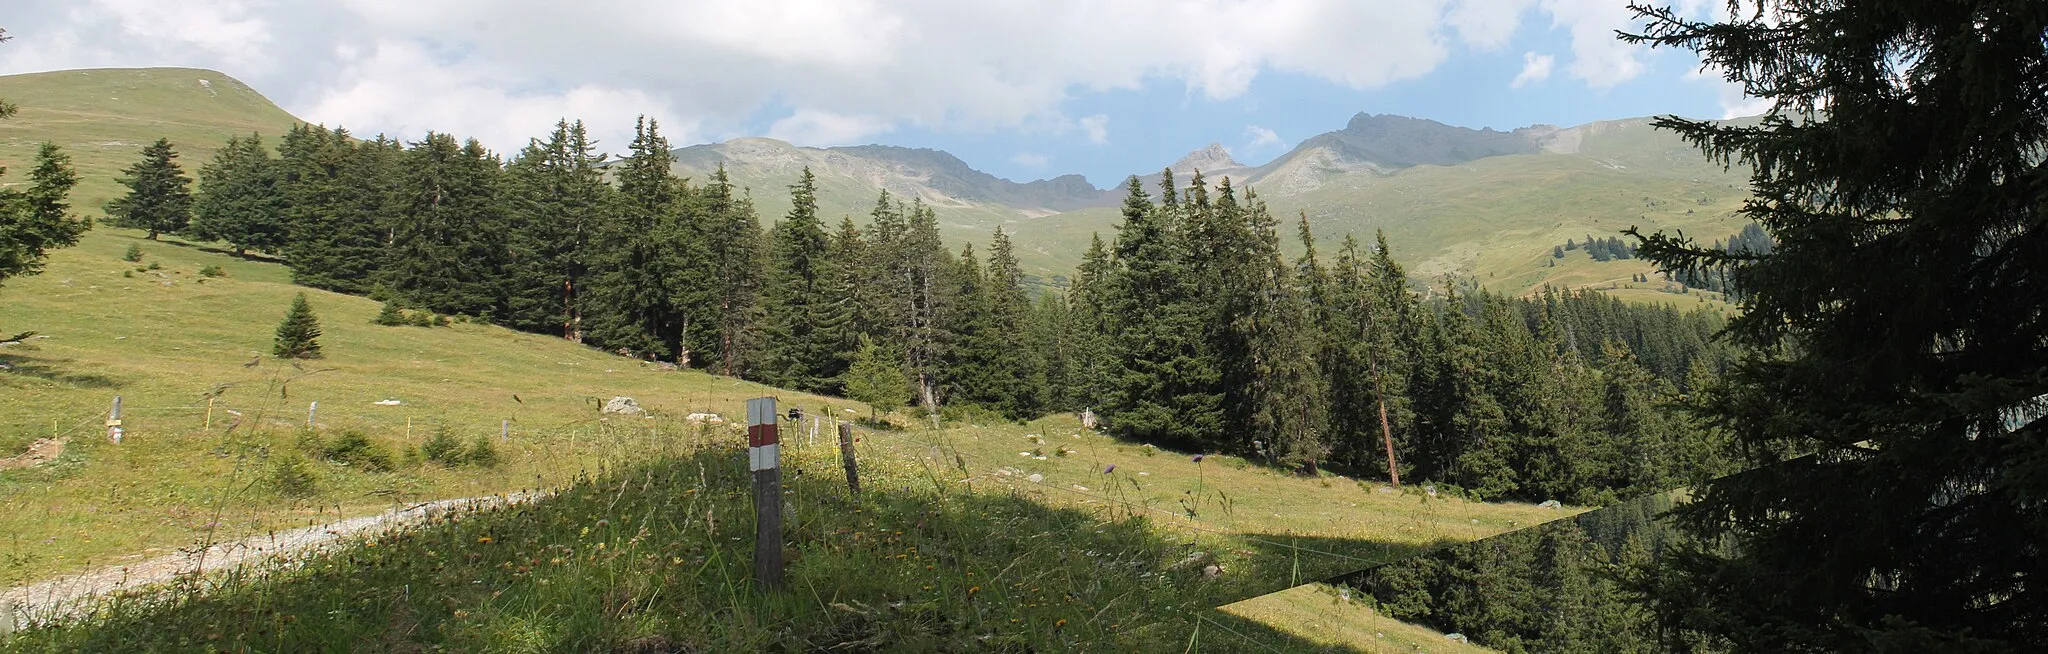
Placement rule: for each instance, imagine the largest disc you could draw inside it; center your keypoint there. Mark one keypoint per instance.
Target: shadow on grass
(1281, 561)
(657, 558)
(207, 248)
(52, 371)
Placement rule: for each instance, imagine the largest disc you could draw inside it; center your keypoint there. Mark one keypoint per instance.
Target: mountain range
(1452, 200)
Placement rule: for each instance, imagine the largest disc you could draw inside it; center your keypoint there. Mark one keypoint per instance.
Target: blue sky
(1024, 89)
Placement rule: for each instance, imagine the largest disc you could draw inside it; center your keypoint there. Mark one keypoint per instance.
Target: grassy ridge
(103, 117)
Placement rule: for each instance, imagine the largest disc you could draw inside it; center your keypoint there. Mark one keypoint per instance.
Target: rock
(1456, 637)
(711, 418)
(1550, 504)
(1035, 478)
(624, 406)
(1088, 419)
(1212, 571)
(387, 402)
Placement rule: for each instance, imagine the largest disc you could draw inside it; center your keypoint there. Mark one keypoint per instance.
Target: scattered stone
(624, 406)
(1550, 504)
(1088, 419)
(1431, 489)
(1456, 637)
(711, 418)
(1025, 454)
(387, 402)
(1383, 489)
(1035, 478)
(1212, 571)
(1081, 488)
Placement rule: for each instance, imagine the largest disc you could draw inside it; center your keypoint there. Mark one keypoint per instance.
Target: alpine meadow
(692, 328)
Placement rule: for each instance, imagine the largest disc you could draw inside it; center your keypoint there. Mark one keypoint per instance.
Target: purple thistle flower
(1110, 469)
(1197, 459)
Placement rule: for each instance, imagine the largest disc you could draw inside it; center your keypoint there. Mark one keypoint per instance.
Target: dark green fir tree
(298, 335)
(159, 197)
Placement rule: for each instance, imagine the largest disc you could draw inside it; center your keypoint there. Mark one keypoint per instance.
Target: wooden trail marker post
(114, 421)
(764, 458)
(846, 458)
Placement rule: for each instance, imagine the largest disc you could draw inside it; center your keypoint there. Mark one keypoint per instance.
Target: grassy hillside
(164, 340)
(103, 117)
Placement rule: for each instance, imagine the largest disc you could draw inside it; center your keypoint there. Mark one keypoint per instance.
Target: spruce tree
(733, 250)
(633, 295)
(803, 350)
(1894, 331)
(239, 200)
(556, 203)
(159, 195)
(876, 379)
(337, 194)
(37, 220)
(1015, 382)
(1165, 386)
(446, 253)
(299, 333)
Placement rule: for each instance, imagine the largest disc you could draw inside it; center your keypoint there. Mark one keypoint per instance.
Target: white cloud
(848, 69)
(1486, 24)
(1097, 127)
(818, 128)
(1598, 59)
(1031, 160)
(1260, 137)
(1535, 68)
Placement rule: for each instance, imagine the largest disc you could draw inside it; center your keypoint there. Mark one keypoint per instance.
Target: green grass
(103, 118)
(162, 340)
(1324, 616)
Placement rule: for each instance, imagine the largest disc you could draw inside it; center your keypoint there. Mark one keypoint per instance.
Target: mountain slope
(103, 117)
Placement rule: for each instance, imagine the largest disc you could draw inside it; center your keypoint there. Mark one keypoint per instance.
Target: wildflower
(1110, 469)
(1197, 458)
(973, 589)
(485, 540)
(1061, 623)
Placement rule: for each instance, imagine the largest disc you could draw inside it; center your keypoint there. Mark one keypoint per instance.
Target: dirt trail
(66, 596)
(42, 451)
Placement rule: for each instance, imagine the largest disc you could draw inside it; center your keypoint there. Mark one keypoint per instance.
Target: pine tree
(239, 200)
(159, 195)
(802, 351)
(1165, 387)
(37, 220)
(336, 194)
(299, 333)
(633, 297)
(969, 372)
(555, 204)
(1090, 364)
(876, 379)
(1895, 331)
(446, 251)
(733, 250)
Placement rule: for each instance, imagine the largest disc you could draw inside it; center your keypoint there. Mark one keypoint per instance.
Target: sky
(1023, 89)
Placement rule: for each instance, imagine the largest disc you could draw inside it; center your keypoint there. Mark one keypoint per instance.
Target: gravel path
(63, 597)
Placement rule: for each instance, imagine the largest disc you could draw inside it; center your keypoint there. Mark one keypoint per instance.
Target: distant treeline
(1189, 328)
(1752, 240)
(1607, 249)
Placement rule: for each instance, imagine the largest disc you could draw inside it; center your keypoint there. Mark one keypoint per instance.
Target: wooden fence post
(764, 458)
(114, 421)
(846, 457)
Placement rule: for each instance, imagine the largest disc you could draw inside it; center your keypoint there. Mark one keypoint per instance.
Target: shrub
(212, 271)
(134, 254)
(421, 319)
(442, 448)
(298, 333)
(290, 477)
(390, 316)
(155, 266)
(482, 454)
(356, 450)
